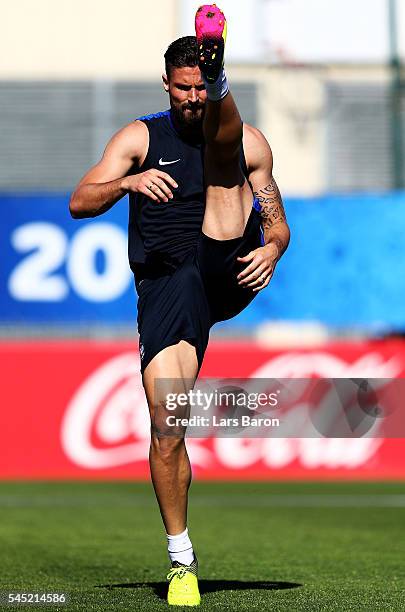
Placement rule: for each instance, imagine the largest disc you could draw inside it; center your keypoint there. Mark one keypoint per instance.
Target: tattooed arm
(274, 220)
(262, 262)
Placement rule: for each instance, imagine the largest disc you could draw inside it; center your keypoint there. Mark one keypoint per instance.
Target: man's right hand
(153, 183)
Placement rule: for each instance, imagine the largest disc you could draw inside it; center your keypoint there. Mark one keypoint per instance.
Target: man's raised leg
(228, 196)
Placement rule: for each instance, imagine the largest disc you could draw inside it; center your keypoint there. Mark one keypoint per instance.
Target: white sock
(180, 548)
(218, 90)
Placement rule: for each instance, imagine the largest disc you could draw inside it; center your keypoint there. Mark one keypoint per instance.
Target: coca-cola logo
(106, 423)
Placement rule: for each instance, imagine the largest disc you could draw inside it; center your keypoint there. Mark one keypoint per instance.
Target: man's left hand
(261, 264)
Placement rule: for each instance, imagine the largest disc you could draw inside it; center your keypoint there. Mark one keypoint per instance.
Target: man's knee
(167, 447)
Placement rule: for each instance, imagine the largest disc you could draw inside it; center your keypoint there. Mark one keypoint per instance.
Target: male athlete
(201, 246)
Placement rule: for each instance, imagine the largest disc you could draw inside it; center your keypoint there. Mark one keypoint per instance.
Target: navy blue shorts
(183, 301)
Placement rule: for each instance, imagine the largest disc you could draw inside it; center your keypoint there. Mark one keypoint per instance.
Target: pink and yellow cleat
(210, 29)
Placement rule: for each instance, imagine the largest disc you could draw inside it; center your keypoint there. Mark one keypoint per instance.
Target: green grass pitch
(261, 546)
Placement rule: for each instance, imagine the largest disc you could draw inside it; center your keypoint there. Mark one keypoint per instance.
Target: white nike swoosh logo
(167, 163)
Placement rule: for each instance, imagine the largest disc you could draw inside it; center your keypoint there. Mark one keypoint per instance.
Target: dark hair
(181, 53)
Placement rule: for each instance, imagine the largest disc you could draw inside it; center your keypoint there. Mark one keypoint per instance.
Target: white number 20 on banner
(38, 278)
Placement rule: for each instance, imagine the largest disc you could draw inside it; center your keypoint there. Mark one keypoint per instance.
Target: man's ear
(165, 82)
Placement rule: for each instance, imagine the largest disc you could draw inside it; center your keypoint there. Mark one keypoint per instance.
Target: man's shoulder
(252, 135)
(256, 147)
(157, 125)
(130, 141)
(134, 129)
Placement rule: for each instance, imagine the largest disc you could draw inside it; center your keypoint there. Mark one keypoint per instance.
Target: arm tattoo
(272, 204)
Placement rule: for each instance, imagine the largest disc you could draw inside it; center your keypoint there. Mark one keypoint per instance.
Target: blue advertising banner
(343, 268)
(57, 269)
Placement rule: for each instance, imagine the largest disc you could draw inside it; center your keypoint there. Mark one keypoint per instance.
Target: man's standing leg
(170, 465)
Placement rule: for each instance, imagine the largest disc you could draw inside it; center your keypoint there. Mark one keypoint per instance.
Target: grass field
(261, 546)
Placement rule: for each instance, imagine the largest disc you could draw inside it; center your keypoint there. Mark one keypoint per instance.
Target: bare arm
(102, 187)
(107, 182)
(262, 261)
(259, 159)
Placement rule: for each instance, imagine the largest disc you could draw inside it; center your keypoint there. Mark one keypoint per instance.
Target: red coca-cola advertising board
(77, 410)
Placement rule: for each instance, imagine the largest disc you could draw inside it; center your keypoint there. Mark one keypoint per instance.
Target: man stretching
(206, 229)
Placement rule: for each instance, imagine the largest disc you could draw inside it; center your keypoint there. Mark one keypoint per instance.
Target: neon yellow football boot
(183, 585)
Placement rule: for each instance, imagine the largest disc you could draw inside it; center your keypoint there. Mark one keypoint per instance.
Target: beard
(189, 117)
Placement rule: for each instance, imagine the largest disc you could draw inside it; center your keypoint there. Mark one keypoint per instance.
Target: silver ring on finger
(150, 187)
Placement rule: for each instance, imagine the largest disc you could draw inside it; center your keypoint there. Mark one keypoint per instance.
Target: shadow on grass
(207, 586)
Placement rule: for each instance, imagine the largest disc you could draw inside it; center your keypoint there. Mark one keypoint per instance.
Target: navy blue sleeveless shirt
(168, 231)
